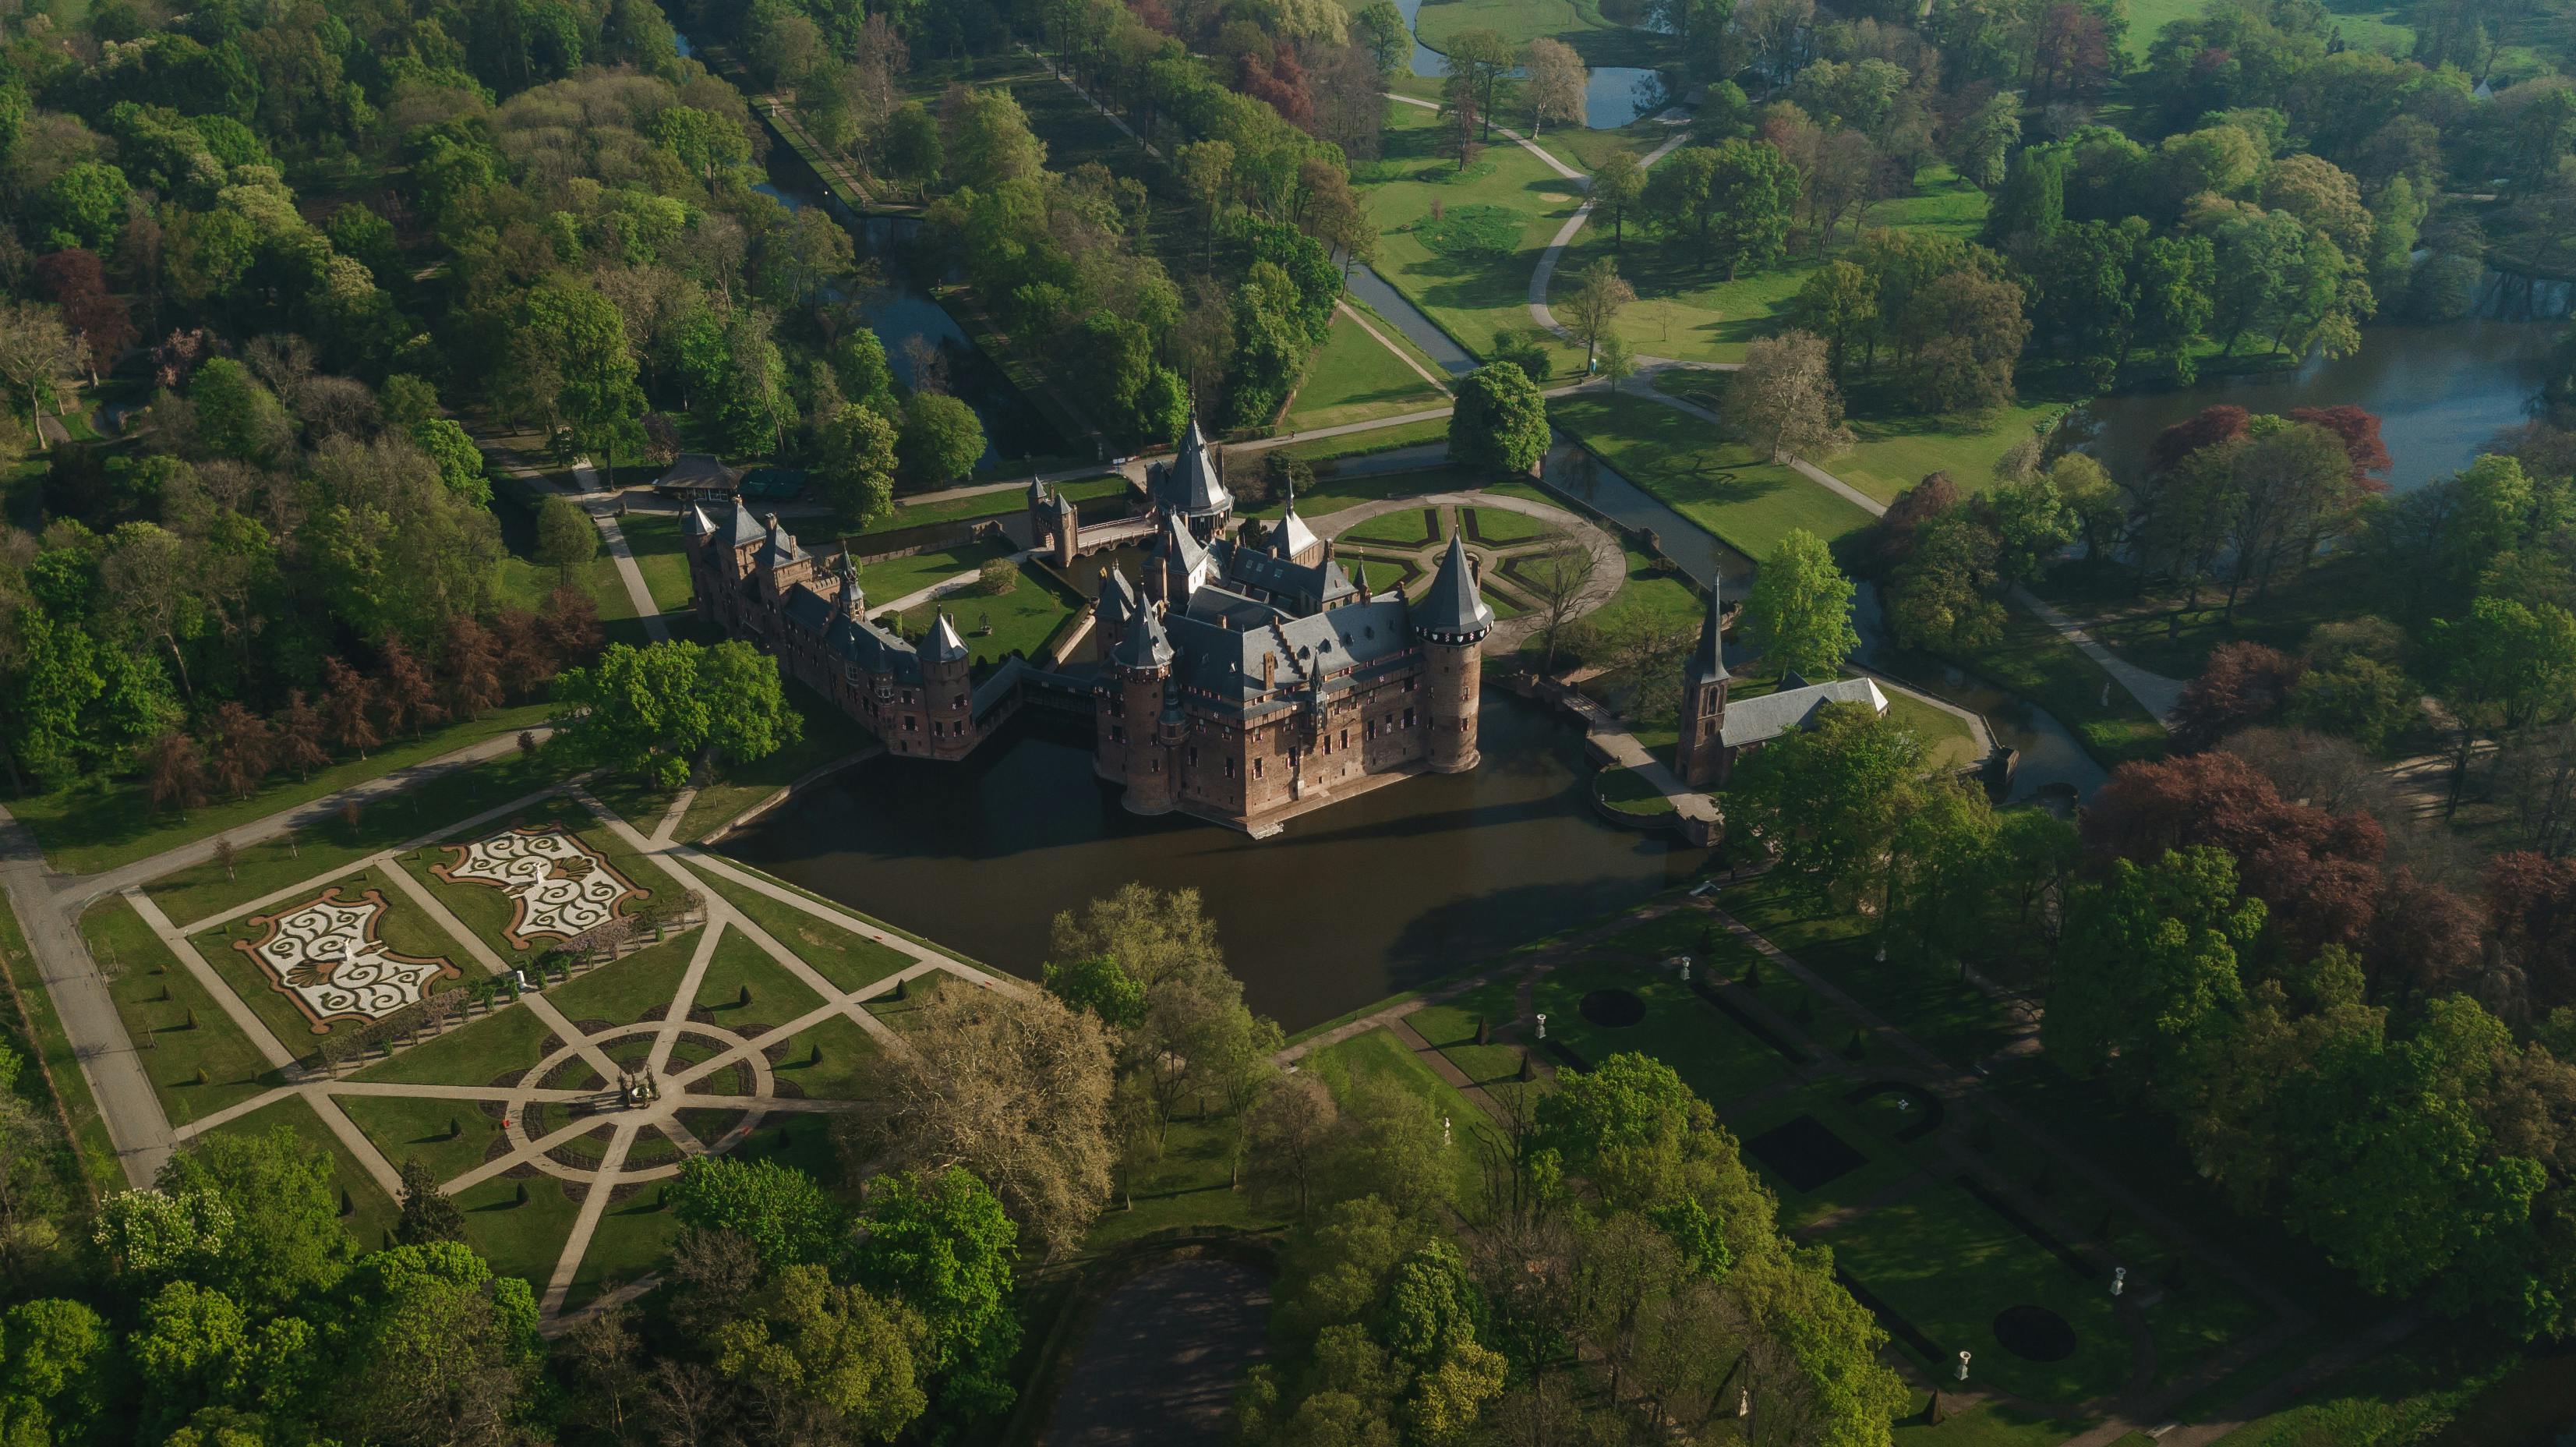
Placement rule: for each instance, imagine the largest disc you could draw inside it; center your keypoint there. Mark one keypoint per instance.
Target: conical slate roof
(943, 645)
(1453, 611)
(1146, 644)
(1117, 596)
(697, 524)
(1708, 661)
(1193, 487)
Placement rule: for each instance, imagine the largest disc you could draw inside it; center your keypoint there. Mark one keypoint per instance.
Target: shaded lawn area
(202, 890)
(1885, 1163)
(1719, 1059)
(1330, 495)
(408, 1128)
(404, 926)
(1190, 1183)
(1352, 378)
(1992, 1424)
(829, 735)
(1403, 343)
(849, 961)
(1578, 23)
(2142, 628)
(1949, 1264)
(654, 539)
(1924, 999)
(903, 1013)
(743, 988)
(632, 990)
(1378, 1056)
(1323, 451)
(35, 1030)
(1892, 453)
(102, 823)
(524, 1241)
(896, 578)
(1627, 791)
(1004, 502)
(1947, 743)
(155, 995)
(485, 1049)
(1021, 620)
(371, 1212)
(519, 581)
(632, 1238)
(1450, 1027)
(1472, 280)
(1747, 501)
(2040, 664)
(1687, 308)
(830, 1060)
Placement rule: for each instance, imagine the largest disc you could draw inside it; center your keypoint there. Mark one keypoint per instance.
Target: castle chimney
(1269, 670)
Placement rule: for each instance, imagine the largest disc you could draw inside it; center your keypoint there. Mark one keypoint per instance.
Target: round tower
(948, 690)
(1138, 741)
(1451, 623)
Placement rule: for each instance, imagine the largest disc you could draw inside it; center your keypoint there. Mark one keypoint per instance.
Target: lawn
(506, 1043)
(1377, 1055)
(748, 992)
(1578, 23)
(897, 578)
(1450, 1027)
(1189, 1184)
(849, 961)
(1720, 1060)
(521, 1240)
(2143, 626)
(830, 1060)
(631, 991)
(1503, 528)
(519, 581)
(654, 538)
(202, 891)
(1748, 502)
(1019, 621)
(1470, 268)
(1947, 743)
(1323, 451)
(1408, 527)
(371, 1213)
(409, 1128)
(903, 1010)
(1001, 502)
(1628, 792)
(631, 1239)
(1892, 454)
(2038, 663)
(102, 823)
(404, 926)
(1330, 495)
(1354, 378)
(1946, 1262)
(196, 1069)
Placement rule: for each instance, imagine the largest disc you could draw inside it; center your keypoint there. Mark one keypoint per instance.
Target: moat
(1375, 895)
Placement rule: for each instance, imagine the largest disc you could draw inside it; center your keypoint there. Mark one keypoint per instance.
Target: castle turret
(1112, 611)
(852, 598)
(947, 690)
(1699, 756)
(1131, 745)
(1452, 621)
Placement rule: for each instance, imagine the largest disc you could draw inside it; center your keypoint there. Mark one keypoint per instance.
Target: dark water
(2441, 391)
(1616, 95)
(1350, 904)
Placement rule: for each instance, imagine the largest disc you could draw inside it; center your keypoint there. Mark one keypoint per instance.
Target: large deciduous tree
(1800, 608)
(651, 711)
(1500, 422)
(1783, 399)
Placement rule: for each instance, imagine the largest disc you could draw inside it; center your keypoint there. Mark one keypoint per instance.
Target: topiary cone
(520, 1197)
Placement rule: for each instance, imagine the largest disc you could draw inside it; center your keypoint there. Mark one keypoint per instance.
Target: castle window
(1408, 685)
(1118, 733)
(911, 724)
(1346, 738)
(1194, 756)
(1408, 718)
(1257, 770)
(1154, 765)
(958, 702)
(1229, 767)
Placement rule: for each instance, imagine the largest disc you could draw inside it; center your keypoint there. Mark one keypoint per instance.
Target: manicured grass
(524, 1241)
(1352, 378)
(1892, 454)
(102, 823)
(841, 1070)
(1324, 450)
(632, 1238)
(1450, 1026)
(1579, 23)
(1403, 528)
(203, 890)
(904, 1015)
(849, 961)
(2142, 626)
(1378, 1055)
(776, 996)
(1924, 999)
(174, 1053)
(371, 1212)
(899, 577)
(829, 734)
(1393, 333)
(1383, 576)
(35, 1030)
(631, 991)
(519, 582)
(654, 538)
(1745, 500)
(508, 1041)
(1504, 528)
(2035, 661)
(1944, 1261)
(1189, 1184)
(1330, 495)
(1021, 620)
(1718, 1058)
(1002, 502)
(1947, 744)
(1627, 791)
(409, 1128)
(1471, 290)
(403, 926)
(1988, 1424)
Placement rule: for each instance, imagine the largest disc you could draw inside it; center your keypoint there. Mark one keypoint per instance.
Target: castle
(1240, 681)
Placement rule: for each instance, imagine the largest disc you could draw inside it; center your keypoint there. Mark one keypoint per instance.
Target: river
(2441, 391)
(1614, 96)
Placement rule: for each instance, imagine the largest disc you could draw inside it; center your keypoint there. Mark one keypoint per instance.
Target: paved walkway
(2154, 691)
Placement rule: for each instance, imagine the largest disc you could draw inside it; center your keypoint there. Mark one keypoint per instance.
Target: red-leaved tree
(2243, 684)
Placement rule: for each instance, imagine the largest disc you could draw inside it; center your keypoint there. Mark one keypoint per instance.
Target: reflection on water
(2441, 391)
(1370, 896)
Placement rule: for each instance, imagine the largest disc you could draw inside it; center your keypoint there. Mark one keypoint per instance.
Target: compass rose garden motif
(562, 887)
(324, 955)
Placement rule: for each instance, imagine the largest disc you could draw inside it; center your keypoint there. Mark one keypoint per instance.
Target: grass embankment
(1355, 378)
(2036, 662)
(1747, 501)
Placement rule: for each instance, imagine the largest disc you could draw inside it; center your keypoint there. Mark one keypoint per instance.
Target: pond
(2441, 391)
(1617, 94)
(1351, 904)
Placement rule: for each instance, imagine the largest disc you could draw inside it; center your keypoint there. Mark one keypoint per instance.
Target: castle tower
(1700, 754)
(1112, 611)
(1041, 513)
(852, 598)
(1068, 530)
(1451, 621)
(1132, 745)
(947, 691)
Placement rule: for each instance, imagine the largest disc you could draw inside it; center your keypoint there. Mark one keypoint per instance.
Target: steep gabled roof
(1117, 602)
(746, 528)
(1708, 661)
(1146, 645)
(1453, 610)
(1291, 536)
(1191, 485)
(1759, 720)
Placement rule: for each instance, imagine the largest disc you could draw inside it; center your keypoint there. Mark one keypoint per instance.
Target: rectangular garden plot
(349, 955)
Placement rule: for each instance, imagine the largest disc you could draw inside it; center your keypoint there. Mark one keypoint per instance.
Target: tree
(940, 441)
(174, 772)
(994, 145)
(1500, 422)
(434, 1350)
(83, 205)
(1380, 27)
(1825, 800)
(857, 464)
(1289, 1127)
(1556, 581)
(2243, 683)
(943, 1246)
(1598, 295)
(1632, 1127)
(242, 752)
(284, 1238)
(1207, 171)
(1101, 986)
(650, 711)
(839, 1352)
(78, 285)
(566, 537)
(1557, 82)
(36, 352)
(1017, 1093)
(1784, 401)
(909, 146)
(1839, 302)
(2032, 524)
(2148, 962)
(1617, 186)
(780, 1210)
(2507, 666)
(427, 1214)
(1745, 222)
(1486, 60)
(1800, 608)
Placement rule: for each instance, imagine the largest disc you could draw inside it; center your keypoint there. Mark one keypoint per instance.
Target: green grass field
(1504, 528)
(483, 1049)
(197, 1069)
(1718, 1058)
(1353, 378)
(631, 991)
(1627, 791)
(1403, 528)
(1019, 621)
(1002, 502)
(900, 577)
(1378, 1055)
(654, 539)
(2038, 663)
(1747, 501)
(1947, 743)
(1579, 23)
(409, 1128)
(845, 959)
